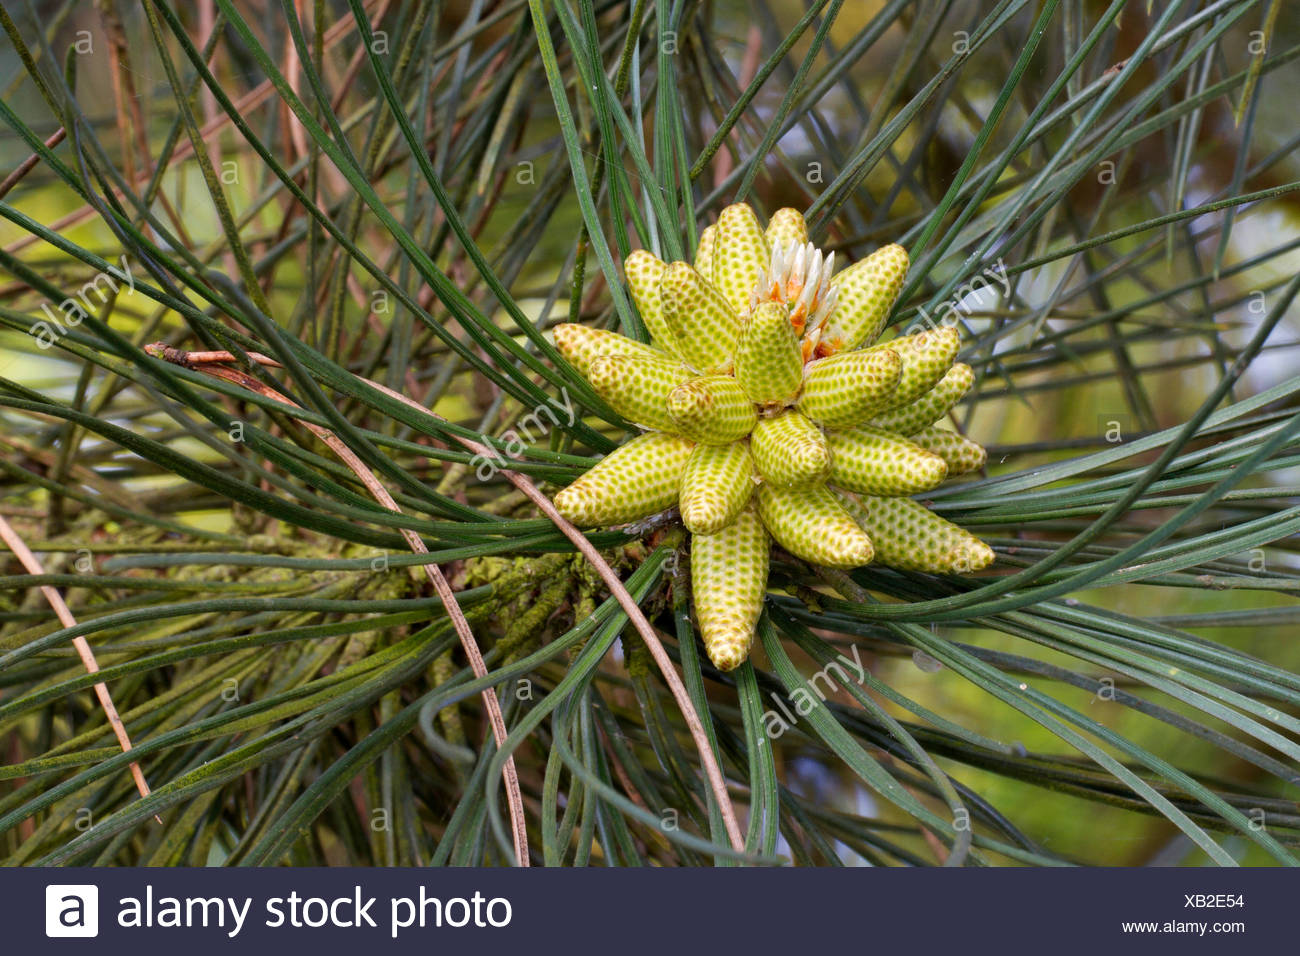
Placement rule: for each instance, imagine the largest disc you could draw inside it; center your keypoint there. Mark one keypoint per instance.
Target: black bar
(658, 911)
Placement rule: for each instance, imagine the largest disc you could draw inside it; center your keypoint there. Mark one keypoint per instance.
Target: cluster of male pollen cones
(768, 414)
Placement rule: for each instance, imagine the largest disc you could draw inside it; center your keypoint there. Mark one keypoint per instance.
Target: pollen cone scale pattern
(770, 414)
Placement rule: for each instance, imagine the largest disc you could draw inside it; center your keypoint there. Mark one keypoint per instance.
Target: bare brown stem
(62, 612)
(28, 164)
(210, 363)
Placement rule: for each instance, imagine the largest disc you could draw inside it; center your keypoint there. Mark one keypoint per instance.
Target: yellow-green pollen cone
(771, 414)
